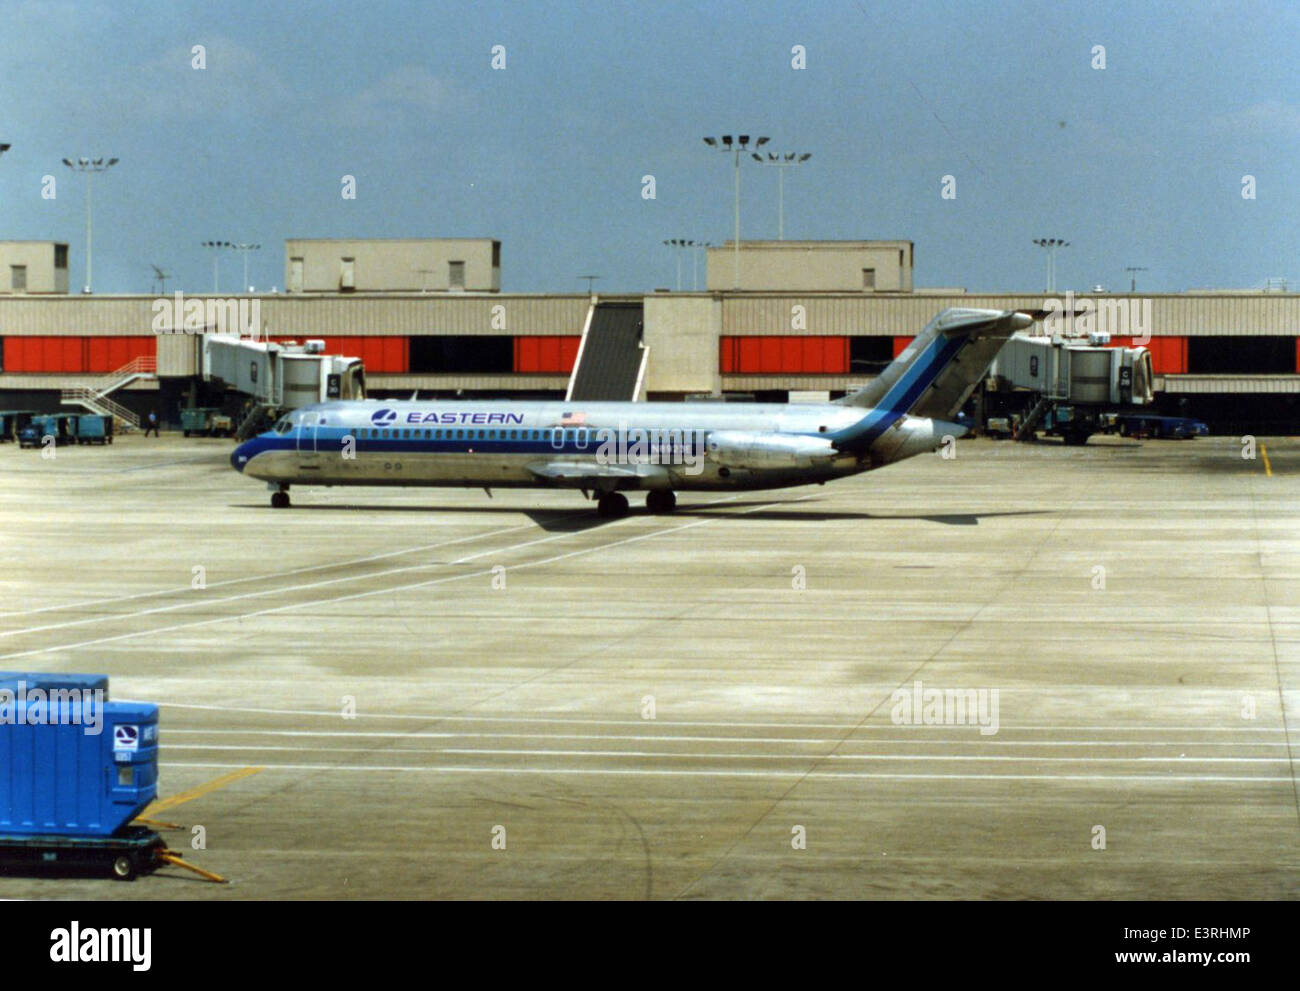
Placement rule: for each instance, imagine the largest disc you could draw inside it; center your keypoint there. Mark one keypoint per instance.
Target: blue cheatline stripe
(904, 393)
(329, 440)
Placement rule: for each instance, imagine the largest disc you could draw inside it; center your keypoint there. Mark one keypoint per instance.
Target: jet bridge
(279, 377)
(1075, 381)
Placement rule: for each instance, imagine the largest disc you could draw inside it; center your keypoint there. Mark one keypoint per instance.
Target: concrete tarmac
(713, 704)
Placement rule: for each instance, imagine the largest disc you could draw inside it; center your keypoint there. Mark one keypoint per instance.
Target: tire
(124, 867)
(280, 500)
(612, 505)
(660, 501)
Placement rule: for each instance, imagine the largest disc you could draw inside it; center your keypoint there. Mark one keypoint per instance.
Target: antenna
(160, 280)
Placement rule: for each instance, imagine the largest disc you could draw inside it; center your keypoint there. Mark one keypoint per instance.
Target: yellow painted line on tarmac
(200, 790)
(1268, 468)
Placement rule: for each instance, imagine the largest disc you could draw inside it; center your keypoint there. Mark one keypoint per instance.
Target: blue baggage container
(46, 680)
(74, 769)
(94, 428)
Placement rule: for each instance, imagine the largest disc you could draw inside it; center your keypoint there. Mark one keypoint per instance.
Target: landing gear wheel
(124, 868)
(612, 504)
(280, 500)
(660, 501)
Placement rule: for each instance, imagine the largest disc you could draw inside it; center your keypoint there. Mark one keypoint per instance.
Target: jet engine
(760, 449)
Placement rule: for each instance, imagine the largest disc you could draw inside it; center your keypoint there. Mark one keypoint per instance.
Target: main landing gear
(660, 501)
(612, 504)
(280, 498)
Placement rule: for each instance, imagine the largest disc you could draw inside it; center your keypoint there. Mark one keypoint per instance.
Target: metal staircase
(612, 356)
(95, 396)
(1030, 423)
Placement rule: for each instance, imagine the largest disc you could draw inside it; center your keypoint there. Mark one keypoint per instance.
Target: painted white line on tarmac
(571, 721)
(391, 590)
(672, 738)
(202, 601)
(269, 576)
(837, 775)
(712, 755)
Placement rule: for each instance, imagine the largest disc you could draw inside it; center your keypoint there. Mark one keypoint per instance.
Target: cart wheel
(124, 868)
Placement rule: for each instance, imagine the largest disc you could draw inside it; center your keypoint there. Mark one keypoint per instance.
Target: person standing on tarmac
(151, 423)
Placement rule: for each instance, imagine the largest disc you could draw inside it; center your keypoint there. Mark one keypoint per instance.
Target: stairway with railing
(96, 395)
(612, 356)
(1025, 432)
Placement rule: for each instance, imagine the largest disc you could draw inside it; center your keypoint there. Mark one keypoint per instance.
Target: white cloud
(1267, 119)
(407, 95)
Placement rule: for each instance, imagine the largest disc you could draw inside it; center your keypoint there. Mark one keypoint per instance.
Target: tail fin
(937, 372)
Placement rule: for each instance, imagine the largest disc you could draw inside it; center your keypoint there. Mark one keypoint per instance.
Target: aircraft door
(307, 427)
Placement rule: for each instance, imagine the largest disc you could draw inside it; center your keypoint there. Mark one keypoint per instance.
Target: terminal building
(33, 268)
(778, 319)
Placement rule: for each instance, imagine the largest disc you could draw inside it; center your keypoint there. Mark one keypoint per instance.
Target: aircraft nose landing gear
(280, 498)
(612, 504)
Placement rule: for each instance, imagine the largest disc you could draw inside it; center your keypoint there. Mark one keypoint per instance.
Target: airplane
(605, 449)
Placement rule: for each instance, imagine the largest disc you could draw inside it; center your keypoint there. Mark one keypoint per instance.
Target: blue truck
(1149, 425)
(61, 426)
(12, 421)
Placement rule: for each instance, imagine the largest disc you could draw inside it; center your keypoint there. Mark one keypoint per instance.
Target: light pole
(216, 261)
(590, 279)
(781, 162)
(696, 248)
(1132, 271)
(681, 242)
(244, 249)
(735, 148)
(90, 167)
(1050, 244)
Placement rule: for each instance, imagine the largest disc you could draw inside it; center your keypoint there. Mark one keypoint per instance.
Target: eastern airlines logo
(385, 417)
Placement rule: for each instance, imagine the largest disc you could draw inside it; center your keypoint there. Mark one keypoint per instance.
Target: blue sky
(1140, 163)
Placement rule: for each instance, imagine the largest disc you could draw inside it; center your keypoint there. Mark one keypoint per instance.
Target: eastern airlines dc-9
(605, 449)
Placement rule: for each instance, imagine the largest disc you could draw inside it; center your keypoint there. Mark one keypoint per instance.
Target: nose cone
(240, 455)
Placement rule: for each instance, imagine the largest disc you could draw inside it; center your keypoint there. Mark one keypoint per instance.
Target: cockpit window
(284, 426)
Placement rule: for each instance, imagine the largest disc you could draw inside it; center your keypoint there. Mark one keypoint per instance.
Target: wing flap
(586, 474)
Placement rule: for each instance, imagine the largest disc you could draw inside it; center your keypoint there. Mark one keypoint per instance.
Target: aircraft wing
(585, 475)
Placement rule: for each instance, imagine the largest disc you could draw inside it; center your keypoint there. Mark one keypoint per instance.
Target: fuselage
(605, 446)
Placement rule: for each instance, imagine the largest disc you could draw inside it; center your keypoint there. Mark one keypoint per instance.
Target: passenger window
(460, 435)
